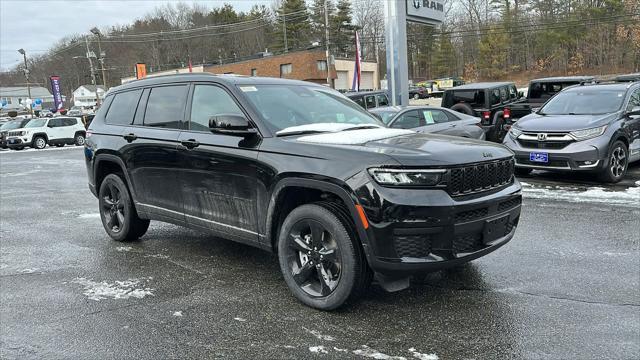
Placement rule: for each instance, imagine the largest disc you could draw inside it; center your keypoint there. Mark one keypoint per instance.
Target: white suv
(56, 131)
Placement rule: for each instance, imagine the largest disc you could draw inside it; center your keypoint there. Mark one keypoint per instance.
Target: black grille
(553, 163)
(532, 144)
(412, 245)
(468, 243)
(480, 177)
(509, 204)
(469, 215)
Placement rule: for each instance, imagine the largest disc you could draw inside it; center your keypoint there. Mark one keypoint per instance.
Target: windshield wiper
(299, 132)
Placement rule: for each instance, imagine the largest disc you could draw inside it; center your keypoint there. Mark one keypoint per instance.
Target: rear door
(152, 155)
(218, 172)
(54, 128)
(408, 120)
(436, 121)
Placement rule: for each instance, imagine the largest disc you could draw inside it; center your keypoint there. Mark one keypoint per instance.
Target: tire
(463, 108)
(118, 215)
(522, 171)
(331, 273)
(79, 139)
(39, 142)
(416, 97)
(498, 132)
(617, 162)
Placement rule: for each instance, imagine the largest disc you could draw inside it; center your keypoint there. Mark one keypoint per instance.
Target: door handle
(190, 144)
(130, 137)
(452, 125)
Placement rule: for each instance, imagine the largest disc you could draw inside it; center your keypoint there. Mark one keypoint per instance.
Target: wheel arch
(105, 164)
(313, 191)
(40, 134)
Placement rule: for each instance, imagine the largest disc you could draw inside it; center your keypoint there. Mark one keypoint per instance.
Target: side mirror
(635, 111)
(231, 124)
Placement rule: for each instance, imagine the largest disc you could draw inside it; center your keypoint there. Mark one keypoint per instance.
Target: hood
(413, 149)
(550, 123)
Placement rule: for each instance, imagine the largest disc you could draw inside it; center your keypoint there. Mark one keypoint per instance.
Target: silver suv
(593, 127)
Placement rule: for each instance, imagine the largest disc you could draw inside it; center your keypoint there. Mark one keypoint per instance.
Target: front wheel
(320, 259)
(79, 139)
(416, 97)
(39, 143)
(119, 216)
(616, 163)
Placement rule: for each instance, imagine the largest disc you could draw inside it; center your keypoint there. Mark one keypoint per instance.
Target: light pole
(26, 75)
(326, 42)
(97, 32)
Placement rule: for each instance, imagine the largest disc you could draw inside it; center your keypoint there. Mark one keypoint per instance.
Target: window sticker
(428, 117)
(248, 88)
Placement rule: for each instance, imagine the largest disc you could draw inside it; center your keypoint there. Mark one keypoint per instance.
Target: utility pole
(93, 74)
(26, 75)
(96, 32)
(284, 29)
(326, 42)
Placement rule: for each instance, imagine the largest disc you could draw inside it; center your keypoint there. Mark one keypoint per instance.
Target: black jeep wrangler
(300, 170)
(541, 90)
(490, 101)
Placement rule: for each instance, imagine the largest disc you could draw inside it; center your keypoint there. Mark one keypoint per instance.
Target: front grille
(467, 243)
(412, 245)
(552, 163)
(469, 215)
(481, 177)
(15, 133)
(509, 204)
(532, 144)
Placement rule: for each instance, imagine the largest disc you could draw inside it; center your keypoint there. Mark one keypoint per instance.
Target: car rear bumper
(415, 231)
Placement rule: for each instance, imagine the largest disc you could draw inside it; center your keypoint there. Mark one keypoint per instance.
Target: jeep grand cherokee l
(300, 170)
(587, 128)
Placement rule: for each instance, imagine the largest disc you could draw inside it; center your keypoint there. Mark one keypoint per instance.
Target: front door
(219, 183)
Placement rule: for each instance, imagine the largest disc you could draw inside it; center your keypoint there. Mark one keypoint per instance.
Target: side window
(513, 92)
(53, 123)
(122, 108)
(359, 101)
(208, 101)
(165, 107)
(504, 94)
(408, 120)
(370, 101)
(495, 96)
(434, 117)
(382, 100)
(70, 122)
(634, 100)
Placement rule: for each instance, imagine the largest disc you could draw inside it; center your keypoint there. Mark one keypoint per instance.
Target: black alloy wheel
(113, 208)
(616, 163)
(119, 216)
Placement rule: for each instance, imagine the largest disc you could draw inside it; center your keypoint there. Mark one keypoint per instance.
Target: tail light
(486, 117)
(506, 113)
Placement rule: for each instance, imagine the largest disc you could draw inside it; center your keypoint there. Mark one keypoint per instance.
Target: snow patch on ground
(340, 350)
(239, 319)
(45, 149)
(422, 356)
(289, 347)
(318, 349)
(318, 335)
(15, 174)
(177, 313)
(89, 216)
(628, 197)
(132, 288)
(28, 271)
(124, 248)
(157, 256)
(368, 352)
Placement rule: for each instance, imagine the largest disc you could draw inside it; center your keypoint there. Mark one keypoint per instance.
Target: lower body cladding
(418, 231)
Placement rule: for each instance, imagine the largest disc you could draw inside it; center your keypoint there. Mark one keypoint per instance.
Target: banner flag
(55, 90)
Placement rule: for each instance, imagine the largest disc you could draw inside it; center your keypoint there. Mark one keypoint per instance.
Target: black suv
(300, 170)
(489, 101)
(369, 99)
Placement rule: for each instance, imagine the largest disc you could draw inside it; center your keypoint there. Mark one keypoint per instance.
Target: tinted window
(210, 101)
(370, 100)
(495, 96)
(504, 94)
(475, 98)
(55, 123)
(123, 107)
(408, 120)
(382, 100)
(434, 117)
(634, 100)
(165, 107)
(69, 122)
(513, 92)
(359, 101)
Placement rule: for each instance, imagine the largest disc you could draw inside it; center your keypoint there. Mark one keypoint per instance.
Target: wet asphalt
(567, 286)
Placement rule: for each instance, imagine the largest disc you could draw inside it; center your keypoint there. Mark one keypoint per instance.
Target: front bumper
(16, 142)
(588, 155)
(413, 231)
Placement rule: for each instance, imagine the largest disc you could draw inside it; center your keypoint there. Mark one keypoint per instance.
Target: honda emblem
(542, 137)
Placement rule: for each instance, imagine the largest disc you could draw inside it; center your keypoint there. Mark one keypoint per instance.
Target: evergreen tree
(294, 17)
(342, 33)
(317, 18)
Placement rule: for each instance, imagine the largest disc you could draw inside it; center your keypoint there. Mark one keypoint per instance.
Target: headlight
(514, 132)
(399, 177)
(588, 133)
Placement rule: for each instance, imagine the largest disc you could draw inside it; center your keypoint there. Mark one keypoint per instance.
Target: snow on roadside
(132, 288)
(124, 248)
(422, 356)
(366, 351)
(318, 335)
(6, 152)
(628, 197)
(318, 349)
(89, 216)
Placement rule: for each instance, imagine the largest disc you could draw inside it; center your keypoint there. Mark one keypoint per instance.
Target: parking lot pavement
(567, 286)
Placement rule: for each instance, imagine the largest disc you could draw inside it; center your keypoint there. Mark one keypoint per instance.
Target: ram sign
(426, 11)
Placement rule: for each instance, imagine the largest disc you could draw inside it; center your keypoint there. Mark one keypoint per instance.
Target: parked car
(297, 169)
(76, 111)
(541, 90)
(369, 99)
(627, 78)
(39, 132)
(488, 100)
(431, 119)
(594, 128)
(418, 92)
(8, 126)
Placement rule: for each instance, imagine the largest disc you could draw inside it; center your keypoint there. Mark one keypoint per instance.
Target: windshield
(285, 106)
(36, 123)
(11, 125)
(584, 102)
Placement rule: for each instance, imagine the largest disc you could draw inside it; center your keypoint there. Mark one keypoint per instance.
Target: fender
(46, 137)
(342, 192)
(115, 159)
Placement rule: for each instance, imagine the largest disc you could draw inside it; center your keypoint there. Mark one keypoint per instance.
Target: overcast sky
(36, 25)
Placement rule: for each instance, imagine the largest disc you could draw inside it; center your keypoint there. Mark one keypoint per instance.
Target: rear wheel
(320, 259)
(416, 96)
(616, 163)
(39, 142)
(119, 216)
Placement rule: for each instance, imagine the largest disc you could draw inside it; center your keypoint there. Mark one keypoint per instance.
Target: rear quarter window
(123, 108)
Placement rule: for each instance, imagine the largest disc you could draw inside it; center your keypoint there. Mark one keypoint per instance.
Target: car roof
(227, 79)
(481, 85)
(607, 86)
(628, 77)
(359, 93)
(564, 78)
